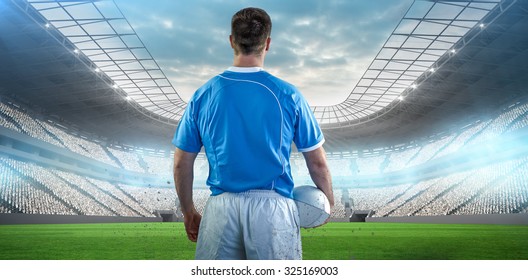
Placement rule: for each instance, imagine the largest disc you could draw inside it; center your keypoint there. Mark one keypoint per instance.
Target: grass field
(335, 241)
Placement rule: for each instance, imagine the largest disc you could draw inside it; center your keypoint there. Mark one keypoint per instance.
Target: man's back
(247, 121)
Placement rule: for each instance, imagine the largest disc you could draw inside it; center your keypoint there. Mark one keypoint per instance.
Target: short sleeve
(308, 135)
(187, 136)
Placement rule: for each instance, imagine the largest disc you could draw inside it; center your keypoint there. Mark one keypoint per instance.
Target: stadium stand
(129, 160)
(398, 160)
(157, 165)
(428, 151)
(5, 118)
(370, 165)
(152, 198)
(120, 194)
(473, 187)
(28, 125)
(460, 140)
(339, 207)
(19, 195)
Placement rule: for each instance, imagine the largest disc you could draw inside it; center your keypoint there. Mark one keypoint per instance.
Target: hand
(331, 201)
(328, 219)
(192, 225)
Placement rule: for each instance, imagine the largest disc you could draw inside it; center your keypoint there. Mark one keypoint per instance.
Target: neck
(248, 61)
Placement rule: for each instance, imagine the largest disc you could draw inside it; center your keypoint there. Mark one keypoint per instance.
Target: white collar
(245, 69)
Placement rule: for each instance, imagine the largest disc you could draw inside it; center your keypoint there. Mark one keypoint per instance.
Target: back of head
(250, 28)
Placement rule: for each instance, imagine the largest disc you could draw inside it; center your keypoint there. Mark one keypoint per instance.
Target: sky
(323, 47)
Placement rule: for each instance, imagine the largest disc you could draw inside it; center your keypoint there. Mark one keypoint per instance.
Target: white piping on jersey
(245, 69)
(309, 149)
(282, 117)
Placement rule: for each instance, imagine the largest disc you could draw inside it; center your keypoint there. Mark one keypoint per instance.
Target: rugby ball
(313, 206)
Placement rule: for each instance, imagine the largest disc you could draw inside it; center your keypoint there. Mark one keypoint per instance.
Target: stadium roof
(426, 33)
(436, 68)
(426, 37)
(100, 32)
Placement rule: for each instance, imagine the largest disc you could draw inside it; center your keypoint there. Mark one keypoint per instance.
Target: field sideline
(335, 241)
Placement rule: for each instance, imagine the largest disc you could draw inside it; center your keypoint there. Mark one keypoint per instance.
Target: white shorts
(252, 225)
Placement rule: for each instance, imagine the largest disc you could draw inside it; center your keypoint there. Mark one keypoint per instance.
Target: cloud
(167, 24)
(321, 46)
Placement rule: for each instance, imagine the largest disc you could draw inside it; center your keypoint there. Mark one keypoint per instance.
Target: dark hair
(250, 28)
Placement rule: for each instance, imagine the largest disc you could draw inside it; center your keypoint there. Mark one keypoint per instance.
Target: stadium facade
(72, 143)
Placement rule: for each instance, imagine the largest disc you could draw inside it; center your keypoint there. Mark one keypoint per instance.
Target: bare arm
(319, 172)
(183, 180)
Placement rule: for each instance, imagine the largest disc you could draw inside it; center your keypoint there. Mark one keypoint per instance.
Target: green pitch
(341, 241)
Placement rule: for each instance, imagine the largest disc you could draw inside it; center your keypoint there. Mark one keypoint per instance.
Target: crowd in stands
(515, 118)
(503, 195)
(522, 121)
(374, 198)
(130, 161)
(429, 150)
(14, 118)
(118, 192)
(25, 123)
(158, 165)
(32, 189)
(398, 159)
(496, 188)
(370, 165)
(461, 139)
(152, 198)
(19, 194)
(500, 124)
(339, 206)
(7, 113)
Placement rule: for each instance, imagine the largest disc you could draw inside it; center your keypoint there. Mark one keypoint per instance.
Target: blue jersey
(246, 119)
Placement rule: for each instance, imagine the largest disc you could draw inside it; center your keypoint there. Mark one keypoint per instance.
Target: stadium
(434, 132)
